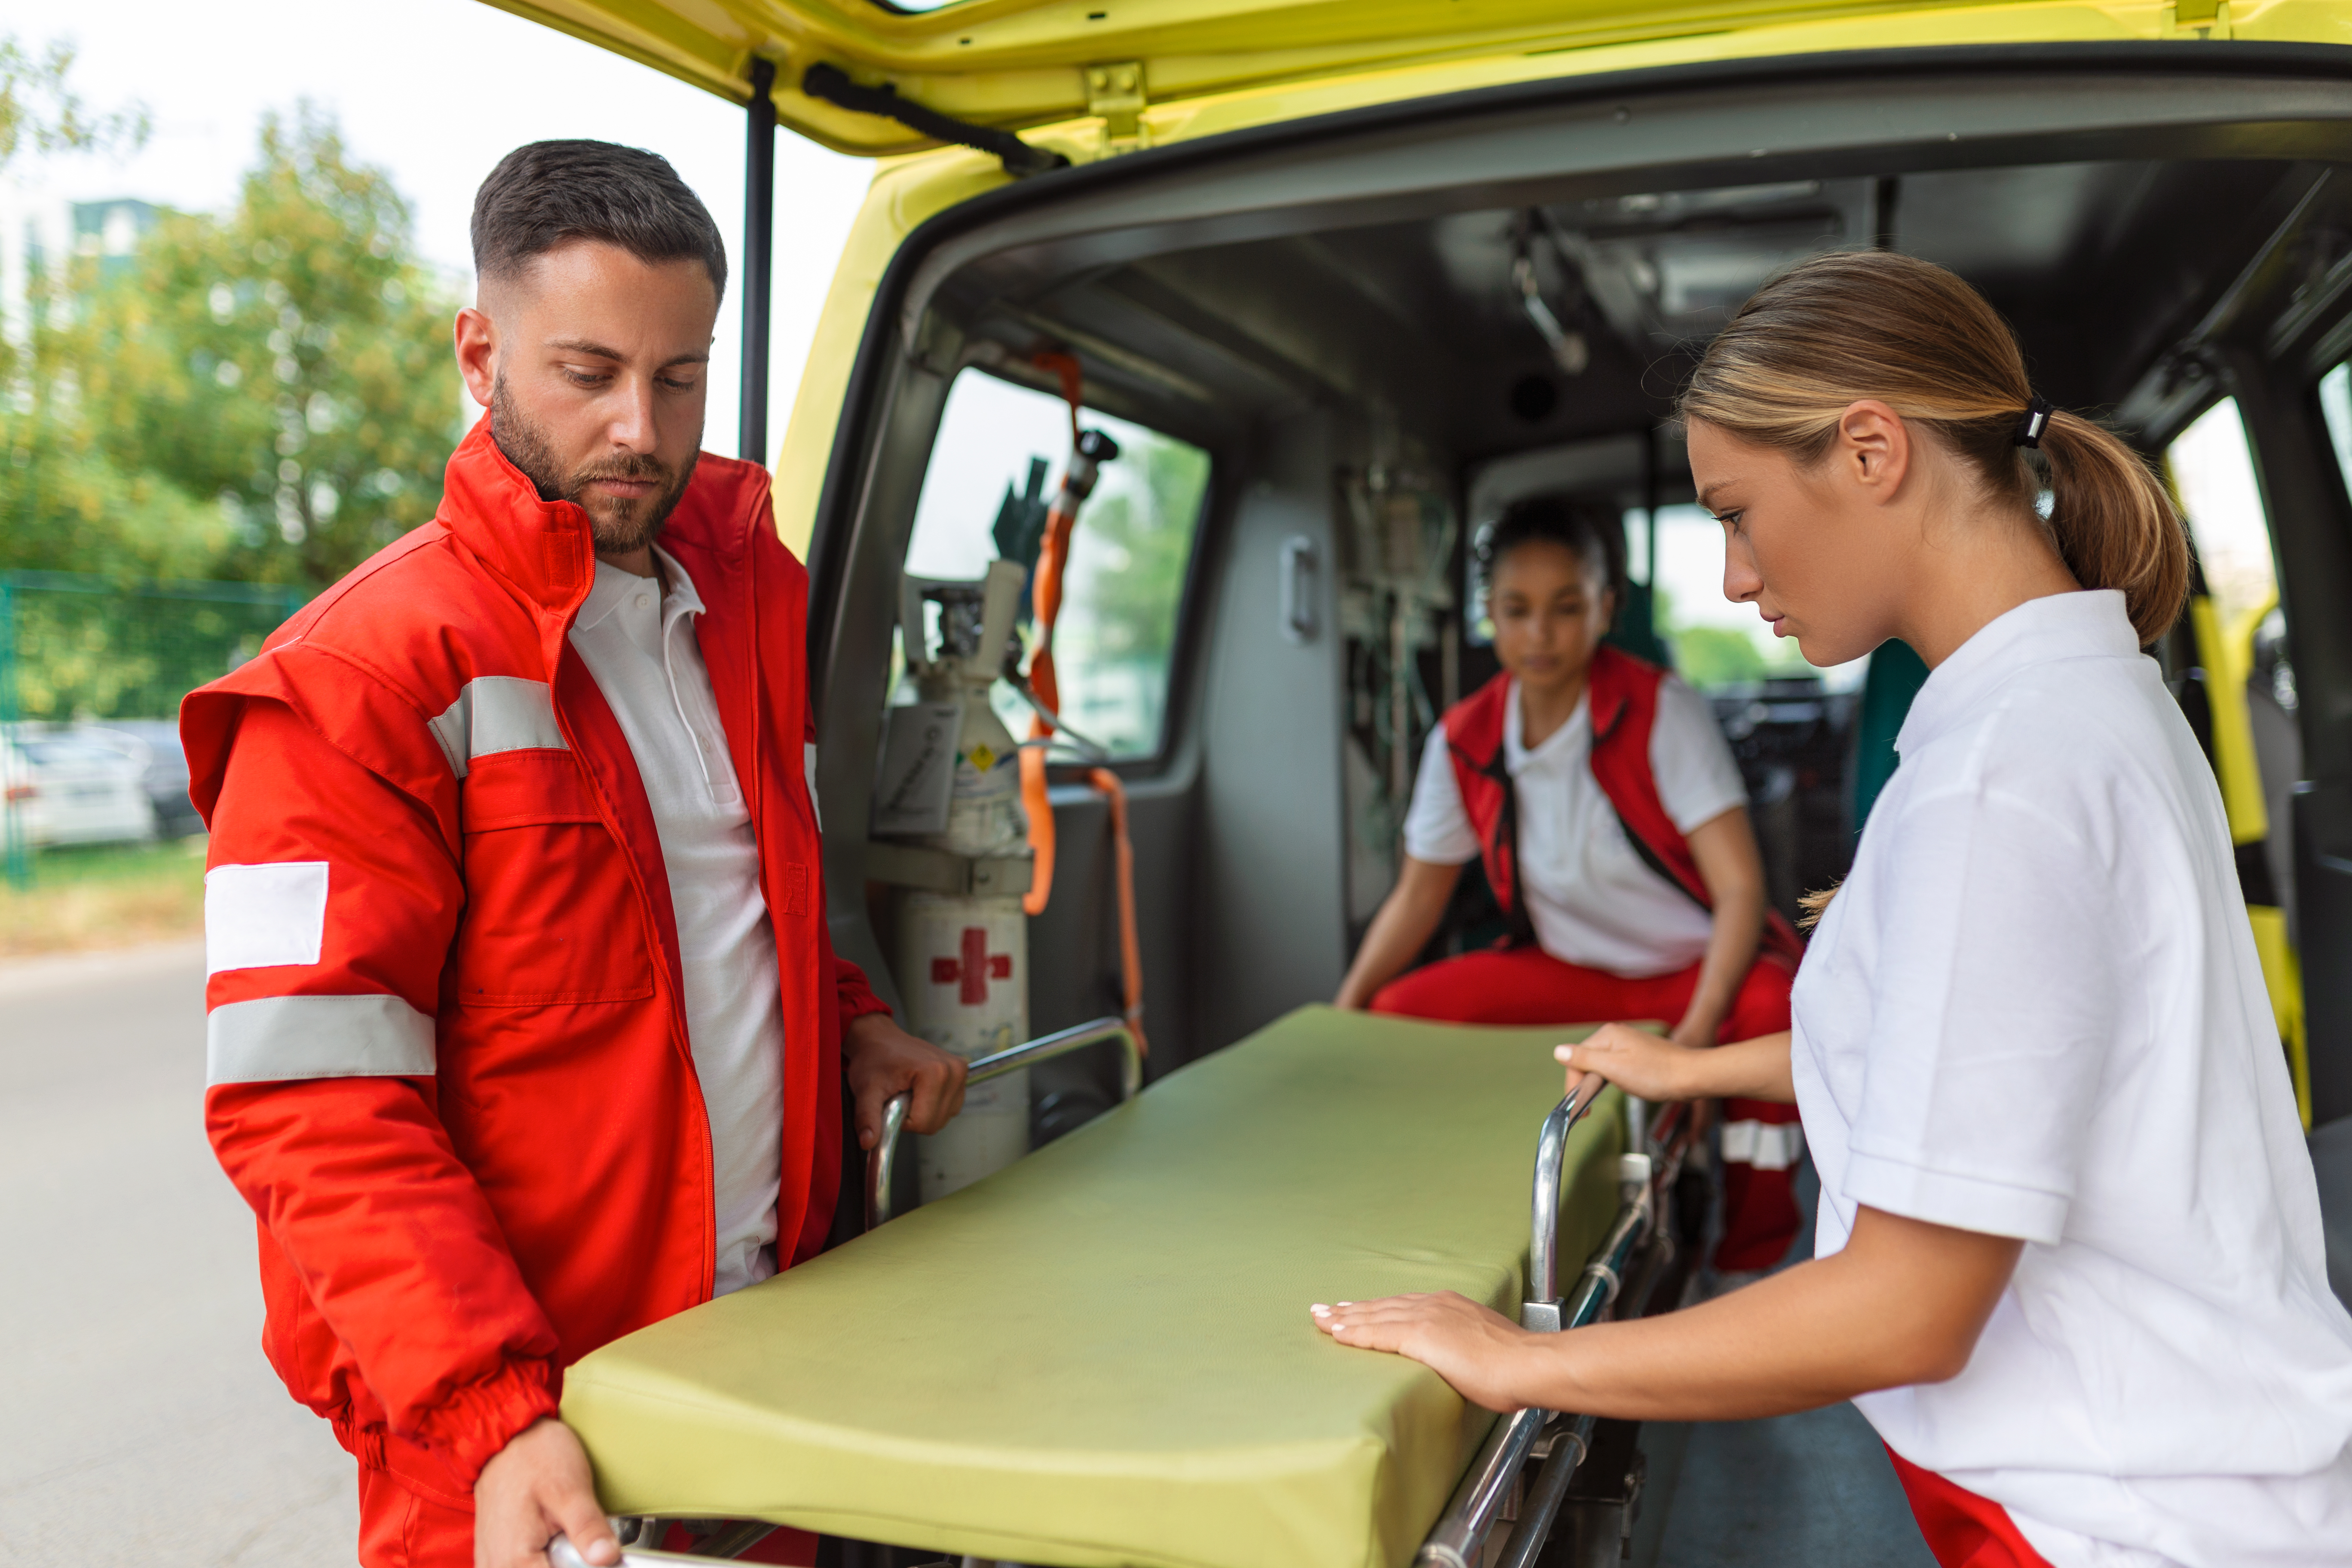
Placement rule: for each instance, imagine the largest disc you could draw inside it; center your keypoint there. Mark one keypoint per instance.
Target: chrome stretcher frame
(1619, 1280)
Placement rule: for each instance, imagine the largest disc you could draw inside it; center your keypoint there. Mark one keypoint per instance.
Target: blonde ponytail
(1874, 323)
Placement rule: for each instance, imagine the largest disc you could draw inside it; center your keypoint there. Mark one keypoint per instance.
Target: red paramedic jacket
(1623, 694)
(449, 1069)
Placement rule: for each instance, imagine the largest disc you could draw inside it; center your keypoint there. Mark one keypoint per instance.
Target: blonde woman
(2069, 1260)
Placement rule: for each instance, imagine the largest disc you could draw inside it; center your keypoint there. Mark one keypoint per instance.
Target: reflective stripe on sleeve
(497, 713)
(1765, 1145)
(272, 1039)
(260, 916)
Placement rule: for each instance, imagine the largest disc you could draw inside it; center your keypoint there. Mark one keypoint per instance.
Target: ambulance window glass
(1116, 639)
(2213, 474)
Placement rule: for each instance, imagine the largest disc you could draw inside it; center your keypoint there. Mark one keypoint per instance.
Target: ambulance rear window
(1001, 447)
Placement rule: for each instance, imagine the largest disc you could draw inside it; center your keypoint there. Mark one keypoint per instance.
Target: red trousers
(1528, 985)
(400, 1530)
(1963, 1529)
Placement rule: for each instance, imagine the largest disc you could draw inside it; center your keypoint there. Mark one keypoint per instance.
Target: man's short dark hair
(548, 193)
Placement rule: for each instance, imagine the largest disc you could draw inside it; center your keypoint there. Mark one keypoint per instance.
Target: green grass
(104, 896)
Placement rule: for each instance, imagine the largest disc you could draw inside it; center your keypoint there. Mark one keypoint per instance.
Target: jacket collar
(543, 551)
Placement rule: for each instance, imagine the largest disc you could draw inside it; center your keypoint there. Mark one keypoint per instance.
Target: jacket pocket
(551, 915)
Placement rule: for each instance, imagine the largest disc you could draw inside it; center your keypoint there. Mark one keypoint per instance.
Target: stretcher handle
(881, 1160)
(1542, 1310)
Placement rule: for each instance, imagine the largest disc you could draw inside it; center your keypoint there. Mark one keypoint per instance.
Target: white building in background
(37, 227)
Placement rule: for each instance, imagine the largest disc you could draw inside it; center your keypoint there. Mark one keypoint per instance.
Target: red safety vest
(456, 1086)
(1623, 695)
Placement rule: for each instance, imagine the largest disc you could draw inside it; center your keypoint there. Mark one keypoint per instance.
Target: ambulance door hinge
(2197, 19)
(1114, 96)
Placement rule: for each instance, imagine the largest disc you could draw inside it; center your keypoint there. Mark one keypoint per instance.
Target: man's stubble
(616, 526)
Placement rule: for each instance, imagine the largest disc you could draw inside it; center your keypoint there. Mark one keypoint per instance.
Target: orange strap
(1130, 948)
(1045, 604)
(1046, 600)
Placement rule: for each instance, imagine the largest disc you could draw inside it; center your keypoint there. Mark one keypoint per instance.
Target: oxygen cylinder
(963, 961)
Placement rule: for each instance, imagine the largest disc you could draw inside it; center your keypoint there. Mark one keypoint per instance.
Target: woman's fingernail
(1319, 1310)
(1347, 1303)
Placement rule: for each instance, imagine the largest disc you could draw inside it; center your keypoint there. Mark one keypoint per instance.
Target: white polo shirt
(637, 640)
(2034, 1010)
(1590, 896)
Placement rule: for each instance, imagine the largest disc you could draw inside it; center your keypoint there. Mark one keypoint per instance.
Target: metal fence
(77, 647)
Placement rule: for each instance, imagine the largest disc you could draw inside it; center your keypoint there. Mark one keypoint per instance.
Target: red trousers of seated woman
(1528, 985)
(1962, 1530)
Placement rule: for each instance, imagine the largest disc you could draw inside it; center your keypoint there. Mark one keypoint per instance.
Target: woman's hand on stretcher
(1475, 1348)
(1654, 1068)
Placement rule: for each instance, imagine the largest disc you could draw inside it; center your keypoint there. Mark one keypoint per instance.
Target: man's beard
(618, 526)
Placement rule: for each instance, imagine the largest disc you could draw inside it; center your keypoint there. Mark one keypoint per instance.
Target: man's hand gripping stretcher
(1903, 1303)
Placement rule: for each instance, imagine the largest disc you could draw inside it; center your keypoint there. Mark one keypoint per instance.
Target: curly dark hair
(1591, 529)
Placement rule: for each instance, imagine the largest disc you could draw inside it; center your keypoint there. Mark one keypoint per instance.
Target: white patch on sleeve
(808, 770)
(257, 917)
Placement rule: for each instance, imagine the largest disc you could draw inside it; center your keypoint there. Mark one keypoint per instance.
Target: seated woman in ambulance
(1613, 825)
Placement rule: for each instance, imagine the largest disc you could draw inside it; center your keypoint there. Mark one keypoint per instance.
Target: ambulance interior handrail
(1541, 1308)
(881, 1160)
(1458, 1540)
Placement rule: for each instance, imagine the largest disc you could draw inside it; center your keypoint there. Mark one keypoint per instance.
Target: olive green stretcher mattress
(1102, 1355)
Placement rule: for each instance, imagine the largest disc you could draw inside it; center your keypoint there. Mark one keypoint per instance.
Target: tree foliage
(264, 395)
(38, 109)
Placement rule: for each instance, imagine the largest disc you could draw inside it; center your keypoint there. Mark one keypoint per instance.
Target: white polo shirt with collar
(2034, 1010)
(636, 636)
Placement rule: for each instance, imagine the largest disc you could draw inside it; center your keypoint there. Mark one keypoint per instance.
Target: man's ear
(1872, 448)
(478, 353)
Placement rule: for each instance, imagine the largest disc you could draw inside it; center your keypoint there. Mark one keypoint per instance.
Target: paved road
(139, 1424)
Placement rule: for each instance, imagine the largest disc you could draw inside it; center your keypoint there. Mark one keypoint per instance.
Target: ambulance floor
(1808, 1491)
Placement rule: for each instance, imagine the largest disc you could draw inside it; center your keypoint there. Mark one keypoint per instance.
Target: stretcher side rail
(881, 1160)
(1458, 1540)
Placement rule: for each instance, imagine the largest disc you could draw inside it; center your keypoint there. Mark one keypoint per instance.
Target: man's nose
(629, 416)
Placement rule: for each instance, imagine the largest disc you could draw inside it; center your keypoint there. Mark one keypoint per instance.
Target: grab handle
(1541, 1308)
(881, 1160)
(1299, 588)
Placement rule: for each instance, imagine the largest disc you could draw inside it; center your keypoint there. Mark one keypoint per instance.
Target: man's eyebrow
(598, 350)
(585, 346)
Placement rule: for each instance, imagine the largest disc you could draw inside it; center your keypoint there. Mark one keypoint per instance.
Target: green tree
(286, 365)
(1145, 528)
(1712, 656)
(39, 109)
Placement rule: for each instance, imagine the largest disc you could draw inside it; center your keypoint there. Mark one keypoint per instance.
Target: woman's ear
(1872, 449)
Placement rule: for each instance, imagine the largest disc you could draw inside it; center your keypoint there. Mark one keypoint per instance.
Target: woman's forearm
(1730, 951)
(1733, 869)
(1408, 918)
(1903, 1303)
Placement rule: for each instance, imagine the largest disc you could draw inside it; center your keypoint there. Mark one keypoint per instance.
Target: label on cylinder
(963, 973)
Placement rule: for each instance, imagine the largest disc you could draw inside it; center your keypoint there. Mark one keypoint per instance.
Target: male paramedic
(524, 1027)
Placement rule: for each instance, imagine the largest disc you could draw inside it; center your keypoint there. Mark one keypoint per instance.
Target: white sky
(435, 91)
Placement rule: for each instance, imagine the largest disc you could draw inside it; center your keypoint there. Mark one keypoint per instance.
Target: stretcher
(1102, 1355)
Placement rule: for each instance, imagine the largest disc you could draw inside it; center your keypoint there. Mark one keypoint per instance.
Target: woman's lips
(1780, 625)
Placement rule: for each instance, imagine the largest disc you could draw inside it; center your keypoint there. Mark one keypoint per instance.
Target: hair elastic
(2034, 421)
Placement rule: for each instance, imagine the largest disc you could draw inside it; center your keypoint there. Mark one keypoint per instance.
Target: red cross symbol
(975, 970)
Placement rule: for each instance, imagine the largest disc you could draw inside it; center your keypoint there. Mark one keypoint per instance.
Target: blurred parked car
(165, 774)
(69, 786)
